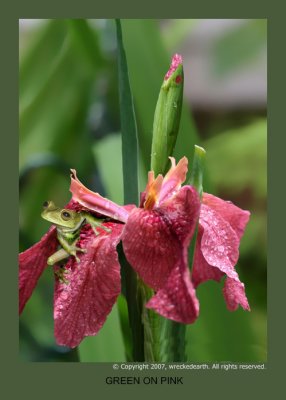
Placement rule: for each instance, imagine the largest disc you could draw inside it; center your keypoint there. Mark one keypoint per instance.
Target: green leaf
(128, 126)
(54, 100)
(86, 42)
(130, 179)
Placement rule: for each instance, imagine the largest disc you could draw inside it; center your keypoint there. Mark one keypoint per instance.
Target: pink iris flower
(155, 238)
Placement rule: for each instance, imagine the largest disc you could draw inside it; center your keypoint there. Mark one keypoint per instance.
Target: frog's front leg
(70, 248)
(96, 223)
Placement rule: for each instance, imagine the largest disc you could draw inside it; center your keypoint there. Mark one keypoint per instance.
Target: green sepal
(197, 171)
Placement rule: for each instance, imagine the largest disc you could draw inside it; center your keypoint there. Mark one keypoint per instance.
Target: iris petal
(82, 306)
(32, 263)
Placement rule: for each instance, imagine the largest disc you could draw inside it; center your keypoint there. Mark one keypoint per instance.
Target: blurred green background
(69, 118)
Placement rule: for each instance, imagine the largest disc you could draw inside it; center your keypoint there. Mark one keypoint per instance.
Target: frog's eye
(46, 204)
(65, 215)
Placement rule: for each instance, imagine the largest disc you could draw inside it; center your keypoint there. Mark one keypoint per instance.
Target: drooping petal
(221, 226)
(32, 263)
(177, 299)
(95, 201)
(202, 271)
(234, 294)
(82, 306)
(234, 215)
(154, 240)
(219, 242)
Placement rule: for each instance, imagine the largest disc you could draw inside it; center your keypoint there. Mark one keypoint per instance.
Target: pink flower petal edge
(32, 263)
(95, 202)
(235, 216)
(234, 294)
(82, 306)
(221, 226)
(219, 242)
(177, 299)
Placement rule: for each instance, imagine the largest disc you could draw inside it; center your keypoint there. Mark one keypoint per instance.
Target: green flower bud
(167, 116)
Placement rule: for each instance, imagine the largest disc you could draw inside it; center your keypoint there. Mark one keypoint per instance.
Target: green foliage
(243, 159)
(239, 47)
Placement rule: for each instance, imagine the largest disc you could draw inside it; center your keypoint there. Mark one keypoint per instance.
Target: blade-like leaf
(130, 179)
(128, 126)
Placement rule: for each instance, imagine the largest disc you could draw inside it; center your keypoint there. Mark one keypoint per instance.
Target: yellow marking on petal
(153, 190)
(150, 180)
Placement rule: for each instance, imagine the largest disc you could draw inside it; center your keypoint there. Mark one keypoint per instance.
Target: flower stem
(196, 180)
(132, 291)
(165, 339)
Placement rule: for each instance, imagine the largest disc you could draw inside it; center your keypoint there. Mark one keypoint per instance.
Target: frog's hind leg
(58, 256)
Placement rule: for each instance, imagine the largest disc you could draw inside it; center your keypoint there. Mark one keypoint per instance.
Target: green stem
(164, 340)
(196, 180)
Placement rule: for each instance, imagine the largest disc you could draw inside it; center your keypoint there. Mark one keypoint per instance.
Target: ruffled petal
(95, 202)
(32, 263)
(154, 240)
(177, 299)
(221, 227)
(219, 242)
(235, 216)
(202, 271)
(234, 294)
(82, 306)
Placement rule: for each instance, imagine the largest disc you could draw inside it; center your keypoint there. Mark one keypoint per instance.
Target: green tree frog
(68, 224)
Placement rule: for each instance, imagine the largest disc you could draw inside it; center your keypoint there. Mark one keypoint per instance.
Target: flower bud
(167, 116)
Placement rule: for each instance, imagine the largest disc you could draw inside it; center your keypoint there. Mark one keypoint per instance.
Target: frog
(68, 223)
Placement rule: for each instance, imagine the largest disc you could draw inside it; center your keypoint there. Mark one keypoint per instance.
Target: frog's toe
(82, 250)
(50, 261)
